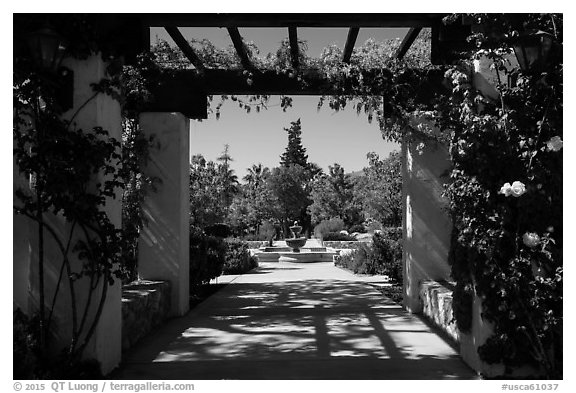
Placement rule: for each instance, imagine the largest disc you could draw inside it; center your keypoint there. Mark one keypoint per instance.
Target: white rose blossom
(518, 188)
(531, 239)
(506, 189)
(554, 144)
(515, 189)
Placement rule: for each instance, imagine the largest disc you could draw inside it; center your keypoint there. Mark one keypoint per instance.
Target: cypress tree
(295, 153)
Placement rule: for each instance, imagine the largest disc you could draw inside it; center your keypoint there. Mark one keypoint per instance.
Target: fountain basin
(311, 251)
(296, 243)
(306, 256)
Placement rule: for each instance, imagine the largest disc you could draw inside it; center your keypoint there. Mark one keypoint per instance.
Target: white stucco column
(105, 345)
(21, 246)
(164, 246)
(102, 111)
(426, 222)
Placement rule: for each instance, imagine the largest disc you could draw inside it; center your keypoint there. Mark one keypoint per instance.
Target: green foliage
(372, 225)
(212, 187)
(383, 256)
(387, 255)
(507, 248)
(254, 202)
(31, 363)
(26, 346)
(332, 195)
(295, 153)
(327, 226)
(205, 191)
(289, 185)
(137, 184)
(267, 232)
(392, 233)
(358, 228)
(218, 230)
(338, 237)
(238, 259)
(228, 178)
(207, 258)
(379, 191)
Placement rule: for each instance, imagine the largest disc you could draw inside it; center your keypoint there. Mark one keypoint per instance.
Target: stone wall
(254, 244)
(343, 244)
(436, 300)
(145, 305)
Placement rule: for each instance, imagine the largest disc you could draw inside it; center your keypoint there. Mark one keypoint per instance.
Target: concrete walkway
(295, 321)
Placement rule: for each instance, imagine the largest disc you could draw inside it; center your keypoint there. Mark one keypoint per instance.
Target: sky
(328, 136)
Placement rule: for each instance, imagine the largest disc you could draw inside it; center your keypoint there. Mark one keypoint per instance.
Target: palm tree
(256, 175)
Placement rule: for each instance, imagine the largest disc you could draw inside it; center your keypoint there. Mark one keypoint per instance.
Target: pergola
(182, 95)
(176, 91)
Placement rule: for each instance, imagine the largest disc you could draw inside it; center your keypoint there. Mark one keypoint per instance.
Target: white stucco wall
(164, 246)
(426, 222)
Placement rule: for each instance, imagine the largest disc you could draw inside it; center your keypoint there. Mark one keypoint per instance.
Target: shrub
(25, 346)
(359, 261)
(29, 362)
(358, 228)
(392, 233)
(384, 256)
(267, 231)
(327, 226)
(343, 244)
(238, 259)
(254, 237)
(387, 255)
(373, 225)
(207, 255)
(337, 236)
(218, 230)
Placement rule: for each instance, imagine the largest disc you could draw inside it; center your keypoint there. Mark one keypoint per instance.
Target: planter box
(145, 306)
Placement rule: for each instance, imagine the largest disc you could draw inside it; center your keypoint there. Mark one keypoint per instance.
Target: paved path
(295, 321)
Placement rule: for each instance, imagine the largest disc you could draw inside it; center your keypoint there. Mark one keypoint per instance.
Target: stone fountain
(296, 249)
(297, 242)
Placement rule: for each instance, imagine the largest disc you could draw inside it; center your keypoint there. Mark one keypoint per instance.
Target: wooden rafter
(294, 50)
(287, 20)
(185, 47)
(240, 49)
(350, 42)
(407, 42)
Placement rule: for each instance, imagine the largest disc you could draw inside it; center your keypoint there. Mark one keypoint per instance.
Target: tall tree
(295, 153)
(289, 187)
(227, 176)
(205, 192)
(379, 191)
(256, 175)
(332, 195)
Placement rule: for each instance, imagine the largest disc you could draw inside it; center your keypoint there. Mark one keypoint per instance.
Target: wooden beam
(240, 49)
(185, 90)
(185, 47)
(287, 20)
(350, 42)
(407, 42)
(294, 50)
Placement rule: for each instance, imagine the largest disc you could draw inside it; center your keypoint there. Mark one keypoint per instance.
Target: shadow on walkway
(281, 326)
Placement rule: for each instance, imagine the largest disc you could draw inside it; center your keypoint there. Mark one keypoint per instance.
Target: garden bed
(393, 292)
